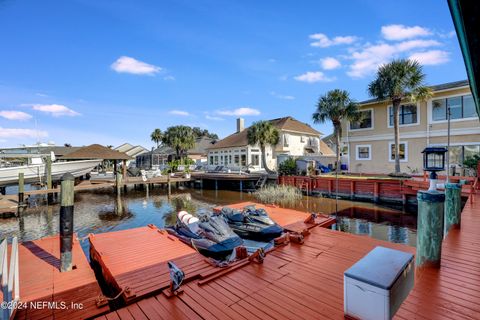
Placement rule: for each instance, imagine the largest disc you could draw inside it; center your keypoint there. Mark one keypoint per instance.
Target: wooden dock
(41, 281)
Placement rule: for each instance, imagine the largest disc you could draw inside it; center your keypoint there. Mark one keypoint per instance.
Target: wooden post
(453, 206)
(169, 186)
(376, 197)
(352, 189)
(49, 179)
(124, 174)
(118, 182)
(21, 189)
(241, 186)
(66, 221)
(429, 228)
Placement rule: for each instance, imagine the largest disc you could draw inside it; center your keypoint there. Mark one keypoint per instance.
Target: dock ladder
(9, 279)
(261, 182)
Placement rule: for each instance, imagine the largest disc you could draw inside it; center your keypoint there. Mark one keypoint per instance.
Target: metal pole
(66, 221)
(448, 143)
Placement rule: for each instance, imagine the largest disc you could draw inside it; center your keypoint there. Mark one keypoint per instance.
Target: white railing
(9, 279)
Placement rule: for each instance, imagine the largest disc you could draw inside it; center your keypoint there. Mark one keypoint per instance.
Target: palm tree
(396, 81)
(263, 133)
(156, 136)
(336, 106)
(180, 138)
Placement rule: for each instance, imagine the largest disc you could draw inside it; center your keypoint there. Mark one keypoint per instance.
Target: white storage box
(376, 286)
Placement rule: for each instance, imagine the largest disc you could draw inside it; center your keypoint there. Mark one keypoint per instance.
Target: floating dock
(41, 281)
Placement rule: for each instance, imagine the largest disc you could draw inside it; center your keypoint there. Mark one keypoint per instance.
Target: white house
(296, 139)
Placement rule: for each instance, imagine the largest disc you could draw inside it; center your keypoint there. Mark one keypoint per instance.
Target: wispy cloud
(56, 110)
(43, 95)
(169, 78)
(401, 32)
(370, 57)
(329, 63)
(209, 117)
(432, 57)
(13, 133)
(323, 41)
(179, 113)
(131, 65)
(282, 96)
(244, 111)
(15, 115)
(313, 76)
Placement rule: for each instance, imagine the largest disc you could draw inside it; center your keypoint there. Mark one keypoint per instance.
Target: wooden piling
(66, 221)
(21, 189)
(118, 182)
(169, 185)
(48, 172)
(453, 207)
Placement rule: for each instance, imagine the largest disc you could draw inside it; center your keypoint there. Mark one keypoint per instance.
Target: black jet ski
(209, 234)
(252, 223)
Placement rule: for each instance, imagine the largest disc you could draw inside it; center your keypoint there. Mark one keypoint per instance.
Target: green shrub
(472, 162)
(288, 167)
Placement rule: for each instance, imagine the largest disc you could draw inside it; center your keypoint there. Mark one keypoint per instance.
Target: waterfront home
(131, 150)
(370, 142)
(160, 156)
(296, 139)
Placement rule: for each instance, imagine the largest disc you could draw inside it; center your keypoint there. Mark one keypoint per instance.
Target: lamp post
(430, 221)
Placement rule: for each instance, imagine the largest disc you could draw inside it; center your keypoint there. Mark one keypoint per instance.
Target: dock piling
(66, 221)
(49, 178)
(118, 182)
(430, 228)
(453, 206)
(21, 189)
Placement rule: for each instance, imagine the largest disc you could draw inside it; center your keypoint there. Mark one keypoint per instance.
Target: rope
(102, 298)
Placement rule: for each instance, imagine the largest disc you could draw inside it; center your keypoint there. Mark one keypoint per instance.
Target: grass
(278, 194)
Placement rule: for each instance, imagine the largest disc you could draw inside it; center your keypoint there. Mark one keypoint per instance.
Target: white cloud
(323, 41)
(244, 111)
(401, 32)
(43, 95)
(330, 63)
(370, 57)
(313, 76)
(179, 113)
(213, 118)
(126, 64)
(432, 57)
(169, 78)
(15, 115)
(281, 96)
(56, 110)
(12, 133)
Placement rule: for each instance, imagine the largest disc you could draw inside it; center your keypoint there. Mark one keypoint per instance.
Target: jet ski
(252, 223)
(209, 234)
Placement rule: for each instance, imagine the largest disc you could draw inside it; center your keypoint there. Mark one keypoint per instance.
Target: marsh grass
(278, 194)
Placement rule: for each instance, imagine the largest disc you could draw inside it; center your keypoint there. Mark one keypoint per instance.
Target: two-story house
(296, 139)
(370, 142)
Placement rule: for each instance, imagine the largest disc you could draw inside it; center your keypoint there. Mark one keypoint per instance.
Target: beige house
(296, 139)
(370, 142)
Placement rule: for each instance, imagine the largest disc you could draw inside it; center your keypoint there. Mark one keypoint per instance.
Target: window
(216, 161)
(285, 140)
(255, 160)
(211, 159)
(364, 152)
(403, 151)
(237, 159)
(302, 139)
(244, 160)
(230, 159)
(365, 122)
(460, 107)
(407, 114)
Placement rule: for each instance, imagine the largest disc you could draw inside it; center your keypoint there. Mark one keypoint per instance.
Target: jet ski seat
(190, 221)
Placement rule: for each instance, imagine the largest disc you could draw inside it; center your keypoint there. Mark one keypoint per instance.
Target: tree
(199, 133)
(263, 133)
(156, 136)
(396, 81)
(336, 106)
(180, 138)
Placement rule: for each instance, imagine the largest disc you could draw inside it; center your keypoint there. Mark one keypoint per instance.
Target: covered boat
(209, 234)
(252, 223)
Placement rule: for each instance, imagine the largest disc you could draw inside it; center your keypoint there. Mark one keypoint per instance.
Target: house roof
(239, 139)
(130, 149)
(200, 148)
(438, 87)
(96, 151)
(325, 149)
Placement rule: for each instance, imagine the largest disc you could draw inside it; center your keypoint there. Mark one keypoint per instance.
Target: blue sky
(109, 72)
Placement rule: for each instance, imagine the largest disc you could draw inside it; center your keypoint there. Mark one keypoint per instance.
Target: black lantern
(433, 161)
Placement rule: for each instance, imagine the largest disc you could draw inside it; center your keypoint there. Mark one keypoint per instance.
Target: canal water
(101, 211)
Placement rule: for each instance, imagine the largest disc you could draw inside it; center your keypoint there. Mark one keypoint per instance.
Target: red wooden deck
(134, 261)
(289, 219)
(41, 280)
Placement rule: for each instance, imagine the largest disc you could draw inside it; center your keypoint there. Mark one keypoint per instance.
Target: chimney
(240, 124)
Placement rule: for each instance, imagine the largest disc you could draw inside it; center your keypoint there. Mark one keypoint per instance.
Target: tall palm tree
(396, 81)
(336, 106)
(156, 136)
(180, 138)
(263, 133)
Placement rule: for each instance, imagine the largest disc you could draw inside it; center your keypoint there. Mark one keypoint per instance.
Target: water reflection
(101, 211)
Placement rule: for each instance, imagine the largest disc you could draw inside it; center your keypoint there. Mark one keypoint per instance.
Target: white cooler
(376, 286)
